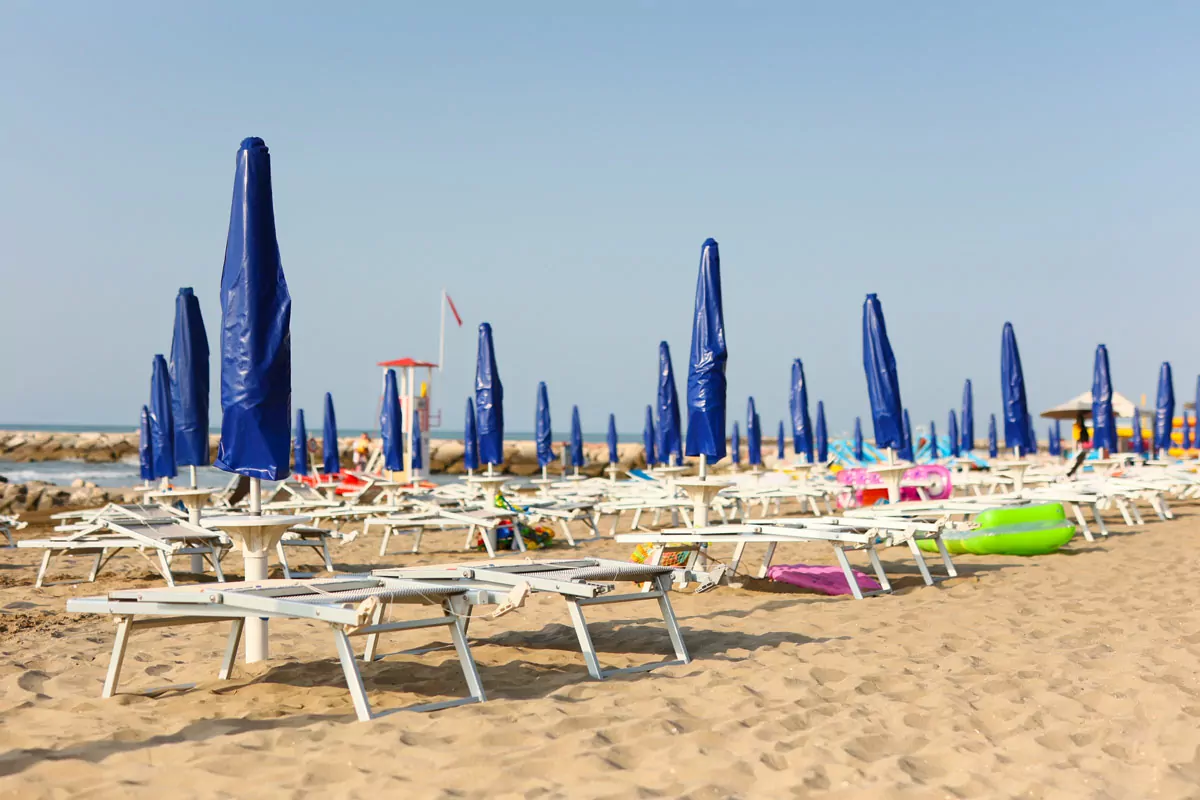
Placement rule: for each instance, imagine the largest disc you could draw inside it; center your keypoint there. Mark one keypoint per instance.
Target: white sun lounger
(350, 606)
(8, 524)
(104, 538)
(580, 582)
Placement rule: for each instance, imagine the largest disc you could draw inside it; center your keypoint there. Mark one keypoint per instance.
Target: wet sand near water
(1062, 676)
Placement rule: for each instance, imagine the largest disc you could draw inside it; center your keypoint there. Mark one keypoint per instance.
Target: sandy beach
(1069, 675)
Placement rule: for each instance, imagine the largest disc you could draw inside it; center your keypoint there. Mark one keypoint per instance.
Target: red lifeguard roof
(406, 362)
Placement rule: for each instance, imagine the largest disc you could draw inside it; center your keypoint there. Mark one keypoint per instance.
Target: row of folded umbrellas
(255, 364)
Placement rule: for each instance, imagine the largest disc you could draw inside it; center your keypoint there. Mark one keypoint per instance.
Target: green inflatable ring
(1023, 531)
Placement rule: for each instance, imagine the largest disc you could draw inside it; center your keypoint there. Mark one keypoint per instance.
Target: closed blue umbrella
(906, 449)
(613, 455)
(1012, 388)
(1053, 446)
(470, 439)
(1104, 423)
(299, 445)
(753, 435)
(1164, 410)
(1139, 441)
(489, 400)
(706, 369)
(993, 443)
(822, 434)
(418, 460)
(952, 433)
(933, 442)
(883, 383)
(802, 432)
(859, 454)
(189, 382)
(391, 424)
(968, 418)
(543, 437)
(256, 339)
(1058, 435)
(162, 421)
(145, 446)
(780, 443)
(670, 444)
(735, 443)
(576, 439)
(648, 438)
(1187, 434)
(329, 439)
(1032, 438)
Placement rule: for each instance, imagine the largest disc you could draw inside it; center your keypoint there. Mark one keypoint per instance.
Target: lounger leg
(124, 625)
(1137, 513)
(416, 548)
(941, 546)
(487, 540)
(325, 553)
(459, 609)
(96, 566)
(1082, 520)
(41, 575)
(637, 516)
(283, 562)
(373, 638)
(737, 556)
(616, 521)
(767, 556)
(387, 534)
(877, 566)
(1099, 519)
(518, 541)
(585, 640)
(1123, 505)
(657, 517)
(920, 559)
(469, 544)
(850, 579)
(663, 583)
(354, 681)
(231, 648)
(166, 568)
(566, 529)
(215, 560)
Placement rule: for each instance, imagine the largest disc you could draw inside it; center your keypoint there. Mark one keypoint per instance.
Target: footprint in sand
(33, 682)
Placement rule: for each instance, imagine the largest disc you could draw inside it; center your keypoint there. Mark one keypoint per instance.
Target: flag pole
(441, 353)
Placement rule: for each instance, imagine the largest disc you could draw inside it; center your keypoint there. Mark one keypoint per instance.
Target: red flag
(454, 311)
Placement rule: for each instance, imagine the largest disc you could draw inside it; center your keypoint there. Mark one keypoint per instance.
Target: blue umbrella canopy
(993, 442)
(822, 434)
(256, 339)
(706, 369)
(332, 463)
(613, 455)
(489, 400)
(858, 440)
(300, 445)
(470, 438)
(968, 417)
(802, 432)
(391, 424)
(162, 421)
(670, 444)
(780, 442)
(1164, 410)
(753, 434)
(1139, 441)
(543, 436)
(189, 381)
(933, 442)
(576, 438)
(1032, 438)
(145, 446)
(906, 449)
(883, 384)
(1051, 442)
(1058, 435)
(952, 433)
(735, 444)
(418, 460)
(1012, 388)
(1186, 432)
(1104, 423)
(648, 437)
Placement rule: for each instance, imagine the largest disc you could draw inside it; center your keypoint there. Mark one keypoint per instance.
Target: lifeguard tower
(415, 405)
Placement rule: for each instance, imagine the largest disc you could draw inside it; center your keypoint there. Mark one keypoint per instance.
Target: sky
(556, 168)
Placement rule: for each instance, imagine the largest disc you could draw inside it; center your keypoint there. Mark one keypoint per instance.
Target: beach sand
(1070, 675)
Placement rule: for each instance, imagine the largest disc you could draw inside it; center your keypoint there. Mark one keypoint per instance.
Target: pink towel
(827, 580)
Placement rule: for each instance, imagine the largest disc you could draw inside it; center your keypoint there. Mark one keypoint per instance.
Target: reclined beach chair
(580, 582)
(351, 606)
(8, 524)
(105, 537)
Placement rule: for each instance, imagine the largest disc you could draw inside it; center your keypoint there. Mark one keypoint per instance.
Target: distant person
(1081, 432)
(362, 447)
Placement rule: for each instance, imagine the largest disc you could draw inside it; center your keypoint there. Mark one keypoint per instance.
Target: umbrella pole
(255, 559)
(192, 475)
(703, 467)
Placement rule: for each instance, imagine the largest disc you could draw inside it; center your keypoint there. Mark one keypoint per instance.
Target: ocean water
(116, 474)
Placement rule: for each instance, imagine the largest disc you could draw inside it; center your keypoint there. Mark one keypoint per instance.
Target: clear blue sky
(556, 167)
